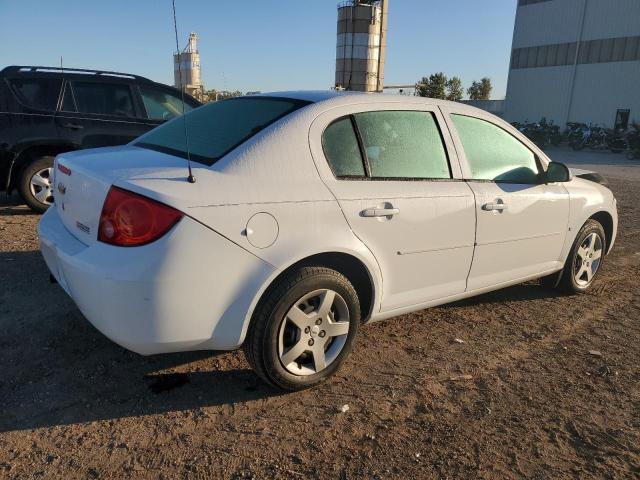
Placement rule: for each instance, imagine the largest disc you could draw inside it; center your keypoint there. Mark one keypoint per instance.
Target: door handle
(380, 212)
(73, 126)
(495, 206)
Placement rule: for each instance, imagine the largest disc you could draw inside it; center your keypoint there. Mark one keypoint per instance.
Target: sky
(257, 45)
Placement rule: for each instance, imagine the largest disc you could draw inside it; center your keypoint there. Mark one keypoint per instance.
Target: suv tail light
(131, 220)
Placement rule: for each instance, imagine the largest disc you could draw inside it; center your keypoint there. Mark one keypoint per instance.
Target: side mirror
(558, 172)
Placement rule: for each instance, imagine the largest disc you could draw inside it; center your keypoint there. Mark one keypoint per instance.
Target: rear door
(32, 122)
(521, 220)
(99, 113)
(394, 175)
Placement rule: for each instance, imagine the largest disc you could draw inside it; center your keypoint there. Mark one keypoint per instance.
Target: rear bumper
(190, 290)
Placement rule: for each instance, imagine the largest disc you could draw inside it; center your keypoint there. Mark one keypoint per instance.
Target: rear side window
(218, 127)
(104, 98)
(494, 154)
(40, 93)
(162, 105)
(341, 149)
(403, 144)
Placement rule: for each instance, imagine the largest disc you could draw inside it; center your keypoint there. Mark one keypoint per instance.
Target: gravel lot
(521, 397)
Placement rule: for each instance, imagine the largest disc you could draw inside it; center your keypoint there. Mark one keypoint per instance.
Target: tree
(480, 90)
(434, 87)
(454, 89)
(214, 94)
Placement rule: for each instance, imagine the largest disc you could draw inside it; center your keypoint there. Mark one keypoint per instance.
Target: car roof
(28, 70)
(338, 98)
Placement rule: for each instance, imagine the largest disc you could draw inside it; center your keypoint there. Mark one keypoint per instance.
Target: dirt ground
(521, 397)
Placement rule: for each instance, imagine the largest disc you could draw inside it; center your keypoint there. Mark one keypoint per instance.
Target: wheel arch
(25, 154)
(605, 219)
(351, 266)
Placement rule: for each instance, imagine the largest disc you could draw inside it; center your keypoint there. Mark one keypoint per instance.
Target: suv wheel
(36, 183)
(304, 328)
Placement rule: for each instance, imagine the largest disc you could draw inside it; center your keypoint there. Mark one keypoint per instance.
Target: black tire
(565, 280)
(578, 146)
(261, 343)
(24, 182)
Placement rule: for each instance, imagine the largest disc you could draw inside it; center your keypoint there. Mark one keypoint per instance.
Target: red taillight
(131, 220)
(63, 169)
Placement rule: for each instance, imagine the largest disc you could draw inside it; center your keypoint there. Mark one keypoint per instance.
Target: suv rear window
(217, 128)
(162, 105)
(40, 93)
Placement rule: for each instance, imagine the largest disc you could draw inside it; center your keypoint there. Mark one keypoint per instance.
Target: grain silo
(186, 68)
(360, 49)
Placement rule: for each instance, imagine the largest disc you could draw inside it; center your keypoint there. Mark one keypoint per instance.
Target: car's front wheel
(584, 260)
(36, 183)
(303, 329)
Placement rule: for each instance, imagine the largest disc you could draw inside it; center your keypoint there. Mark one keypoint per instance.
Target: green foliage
(480, 90)
(214, 95)
(433, 87)
(439, 86)
(454, 89)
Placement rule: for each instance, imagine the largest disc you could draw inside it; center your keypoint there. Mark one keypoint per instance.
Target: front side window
(403, 144)
(494, 154)
(162, 105)
(341, 149)
(40, 93)
(104, 98)
(218, 127)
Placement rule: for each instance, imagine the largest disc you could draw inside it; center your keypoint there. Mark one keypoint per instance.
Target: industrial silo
(360, 49)
(186, 68)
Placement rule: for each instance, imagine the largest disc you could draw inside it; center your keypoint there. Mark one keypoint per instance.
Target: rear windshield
(217, 128)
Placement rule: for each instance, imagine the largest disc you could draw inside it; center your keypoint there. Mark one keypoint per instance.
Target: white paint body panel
(522, 240)
(274, 201)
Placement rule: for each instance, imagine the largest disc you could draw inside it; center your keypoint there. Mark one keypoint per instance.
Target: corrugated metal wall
(585, 92)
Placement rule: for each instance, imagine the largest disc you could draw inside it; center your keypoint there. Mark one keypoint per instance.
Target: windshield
(218, 127)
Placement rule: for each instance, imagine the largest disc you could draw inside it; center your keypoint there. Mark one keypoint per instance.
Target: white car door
(521, 220)
(402, 194)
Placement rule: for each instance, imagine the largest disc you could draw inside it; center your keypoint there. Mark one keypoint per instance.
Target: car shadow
(58, 370)
(13, 205)
(524, 292)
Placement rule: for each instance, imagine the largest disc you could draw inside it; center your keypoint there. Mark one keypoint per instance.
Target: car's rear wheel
(36, 183)
(303, 329)
(584, 260)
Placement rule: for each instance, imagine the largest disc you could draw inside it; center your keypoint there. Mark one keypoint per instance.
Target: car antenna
(190, 178)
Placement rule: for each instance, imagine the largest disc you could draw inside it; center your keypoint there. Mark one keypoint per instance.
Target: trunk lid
(82, 180)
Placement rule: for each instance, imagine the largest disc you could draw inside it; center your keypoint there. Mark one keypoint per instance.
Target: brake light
(131, 220)
(63, 169)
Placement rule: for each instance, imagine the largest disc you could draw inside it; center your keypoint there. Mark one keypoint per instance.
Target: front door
(521, 221)
(404, 199)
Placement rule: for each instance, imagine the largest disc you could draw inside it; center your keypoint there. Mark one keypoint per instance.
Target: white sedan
(312, 213)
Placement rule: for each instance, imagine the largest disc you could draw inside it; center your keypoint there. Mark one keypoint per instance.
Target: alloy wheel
(587, 260)
(41, 186)
(313, 332)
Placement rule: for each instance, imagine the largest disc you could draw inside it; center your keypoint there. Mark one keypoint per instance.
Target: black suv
(46, 111)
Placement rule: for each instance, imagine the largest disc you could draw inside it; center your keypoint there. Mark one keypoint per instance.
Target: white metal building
(575, 61)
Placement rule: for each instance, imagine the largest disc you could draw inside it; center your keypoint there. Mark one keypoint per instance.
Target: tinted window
(161, 105)
(103, 98)
(403, 144)
(341, 149)
(218, 127)
(40, 93)
(493, 154)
